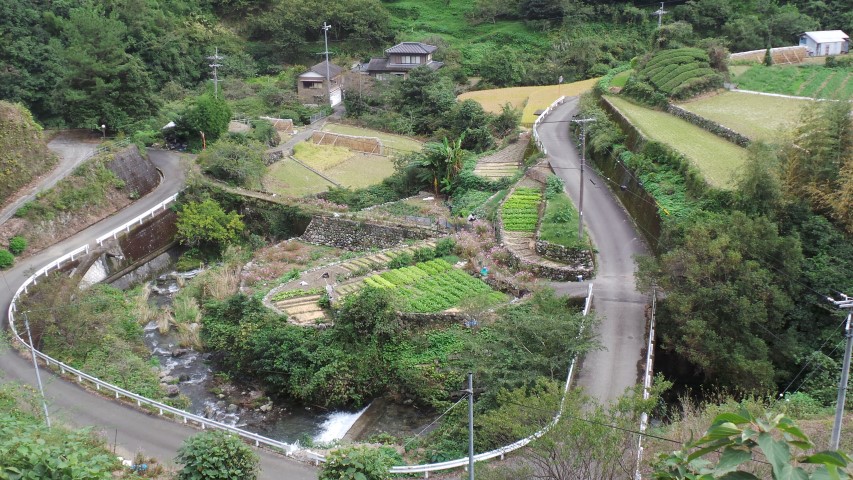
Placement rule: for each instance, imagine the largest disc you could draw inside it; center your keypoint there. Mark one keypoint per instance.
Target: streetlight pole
(328, 74)
(104, 131)
(846, 303)
(582, 122)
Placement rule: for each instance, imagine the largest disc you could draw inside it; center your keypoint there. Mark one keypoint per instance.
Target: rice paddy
(530, 99)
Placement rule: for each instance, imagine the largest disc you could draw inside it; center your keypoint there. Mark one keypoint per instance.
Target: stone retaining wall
(560, 274)
(431, 319)
(569, 256)
(140, 176)
(358, 235)
(709, 125)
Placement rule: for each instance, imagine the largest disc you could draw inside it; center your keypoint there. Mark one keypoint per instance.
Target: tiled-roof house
(400, 59)
(312, 86)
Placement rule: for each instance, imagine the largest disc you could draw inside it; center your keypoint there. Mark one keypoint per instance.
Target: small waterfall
(337, 425)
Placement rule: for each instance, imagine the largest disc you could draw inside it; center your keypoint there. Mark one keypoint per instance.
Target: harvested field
(759, 117)
(531, 98)
(287, 177)
(716, 158)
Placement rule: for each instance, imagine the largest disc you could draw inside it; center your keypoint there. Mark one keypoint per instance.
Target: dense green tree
(216, 455)
(759, 184)
(103, 83)
(424, 96)
(207, 113)
(725, 311)
(206, 224)
(241, 164)
(502, 68)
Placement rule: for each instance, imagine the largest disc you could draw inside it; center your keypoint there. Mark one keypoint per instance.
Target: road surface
(72, 148)
(605, 374)
(133, 430)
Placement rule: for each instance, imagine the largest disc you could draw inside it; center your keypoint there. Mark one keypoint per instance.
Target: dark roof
(382, 65)
(320, 68)
(412, 47)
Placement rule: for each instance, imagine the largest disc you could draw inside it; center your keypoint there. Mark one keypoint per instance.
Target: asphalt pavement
(132, 430)
(606, 373)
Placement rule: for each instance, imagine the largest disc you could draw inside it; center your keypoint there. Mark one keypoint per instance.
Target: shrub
(424, 254)
(553, 186)
(216, 455)
(444, 247)
(402, 260)
(17, 245)
(6, 259)
(360, 463)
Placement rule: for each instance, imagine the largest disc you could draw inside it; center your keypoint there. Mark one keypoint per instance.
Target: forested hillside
(119, 62)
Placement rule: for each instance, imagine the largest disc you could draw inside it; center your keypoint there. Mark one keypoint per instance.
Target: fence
(647, 384)
(370, 145)
(119, 392)
(113, 144)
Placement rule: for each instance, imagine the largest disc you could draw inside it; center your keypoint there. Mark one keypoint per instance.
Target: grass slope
(530, 99)
(559, 223)
(288, 178)
(418, 20)
(716, 158)
(804, 81)
(759, 117)
(23, 153)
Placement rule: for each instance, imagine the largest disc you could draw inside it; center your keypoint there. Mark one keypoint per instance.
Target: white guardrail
(258, 440)
(119, 392)
(647, 384)
(539, 120)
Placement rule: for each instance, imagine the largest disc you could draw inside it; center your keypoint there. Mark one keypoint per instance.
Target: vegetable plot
(432, 286)
(520, 212)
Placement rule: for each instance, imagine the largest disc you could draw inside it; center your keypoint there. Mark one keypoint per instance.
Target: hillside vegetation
(816, 81)
(23, 152)
(678, 73)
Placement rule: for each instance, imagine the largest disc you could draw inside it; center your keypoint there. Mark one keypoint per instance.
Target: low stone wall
(138, 173)
(560, 274)
(358, 144)
(709, 125)
(357, 235)
(559, 253)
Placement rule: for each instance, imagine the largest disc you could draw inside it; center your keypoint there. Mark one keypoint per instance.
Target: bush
(553, 186)
(424, 254)
(6, 259)
(17, 245)
(216, 455)
(444, 247)
(402, 260)
(360, 463)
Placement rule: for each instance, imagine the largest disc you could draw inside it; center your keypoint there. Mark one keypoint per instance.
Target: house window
(312, 85)
(410, 59)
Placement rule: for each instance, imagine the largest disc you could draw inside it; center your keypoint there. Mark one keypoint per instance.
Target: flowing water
(195, 380)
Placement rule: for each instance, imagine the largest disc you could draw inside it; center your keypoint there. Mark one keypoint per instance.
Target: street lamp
(104, 131)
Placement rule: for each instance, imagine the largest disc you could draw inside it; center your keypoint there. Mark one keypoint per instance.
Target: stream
(191, 373)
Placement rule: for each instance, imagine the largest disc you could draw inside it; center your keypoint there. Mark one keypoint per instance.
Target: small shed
(313, 88)
(826, 42)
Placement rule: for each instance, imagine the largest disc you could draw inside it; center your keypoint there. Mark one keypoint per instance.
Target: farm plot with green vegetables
(432, 286)
(520, 212)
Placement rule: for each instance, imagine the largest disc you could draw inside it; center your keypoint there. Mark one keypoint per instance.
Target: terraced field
(530, 99)
(395, 142)
(759, 117)
(716, 158)
(803, 81)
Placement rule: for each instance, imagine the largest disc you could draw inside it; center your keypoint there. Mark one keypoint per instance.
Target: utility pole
(215, 59)
(470, 426)
(36, 366)
(660, 13)
(582, 122)
(328, 75)
(846, 303)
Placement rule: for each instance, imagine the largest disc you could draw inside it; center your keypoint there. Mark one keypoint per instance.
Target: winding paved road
(133, 430)
(620, 308)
